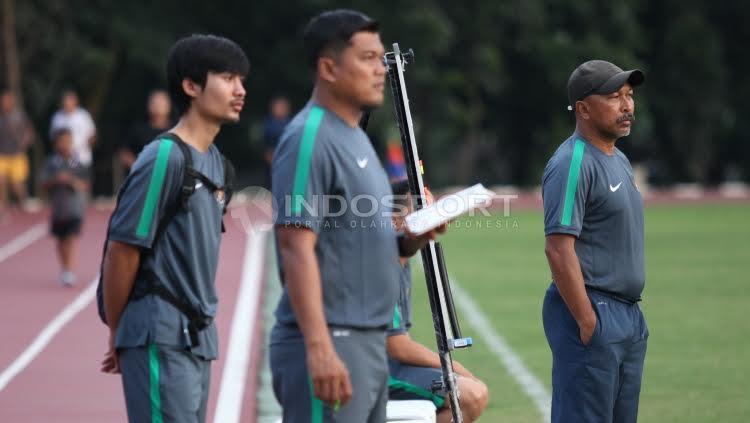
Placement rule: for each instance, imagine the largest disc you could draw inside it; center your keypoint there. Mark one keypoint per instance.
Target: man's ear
(327, 68)
(582, 108)
(191, 88)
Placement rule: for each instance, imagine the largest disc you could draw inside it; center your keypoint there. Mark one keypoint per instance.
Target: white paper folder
(448, 208)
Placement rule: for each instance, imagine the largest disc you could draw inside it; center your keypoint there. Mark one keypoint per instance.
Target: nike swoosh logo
(615, 188)
(362, 163)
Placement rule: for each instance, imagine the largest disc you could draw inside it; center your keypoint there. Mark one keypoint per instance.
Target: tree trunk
(12, 63)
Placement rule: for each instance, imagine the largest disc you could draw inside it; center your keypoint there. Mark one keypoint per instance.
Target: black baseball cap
(599, 77)
(334, 28)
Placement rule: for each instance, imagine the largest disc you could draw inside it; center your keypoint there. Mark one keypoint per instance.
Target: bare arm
(566, 272)
(406, 350)
(120, 265)
(302, 275)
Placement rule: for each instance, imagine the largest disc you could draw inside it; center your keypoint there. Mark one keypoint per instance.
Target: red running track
(63, 383)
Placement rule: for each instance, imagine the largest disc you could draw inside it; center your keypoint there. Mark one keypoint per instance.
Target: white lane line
(48, 333)
(233, 378)
(269, 410)
(530, 384)
(22, 241)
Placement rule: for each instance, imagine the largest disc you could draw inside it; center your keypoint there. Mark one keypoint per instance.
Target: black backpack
(197, 321)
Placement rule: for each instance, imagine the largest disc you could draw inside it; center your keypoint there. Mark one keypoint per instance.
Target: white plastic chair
(410, 411)
(407, 411)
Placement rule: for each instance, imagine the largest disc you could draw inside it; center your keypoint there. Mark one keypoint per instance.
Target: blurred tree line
(488, 87)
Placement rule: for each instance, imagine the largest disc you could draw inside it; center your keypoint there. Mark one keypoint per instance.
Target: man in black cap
(338, 259)
(593, 223)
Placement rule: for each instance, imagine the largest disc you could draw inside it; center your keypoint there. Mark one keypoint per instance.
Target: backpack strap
(229, 178)
(187, 186)
(197, 321)
(228, 188)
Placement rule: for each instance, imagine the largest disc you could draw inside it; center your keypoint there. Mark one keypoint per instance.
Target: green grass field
(696, 302)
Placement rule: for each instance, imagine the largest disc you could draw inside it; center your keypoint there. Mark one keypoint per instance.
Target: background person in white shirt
(80, 124)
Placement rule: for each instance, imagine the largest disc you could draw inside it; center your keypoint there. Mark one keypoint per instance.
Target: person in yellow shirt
(16, 135)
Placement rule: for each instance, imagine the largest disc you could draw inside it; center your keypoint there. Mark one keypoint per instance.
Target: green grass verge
(696, 302)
